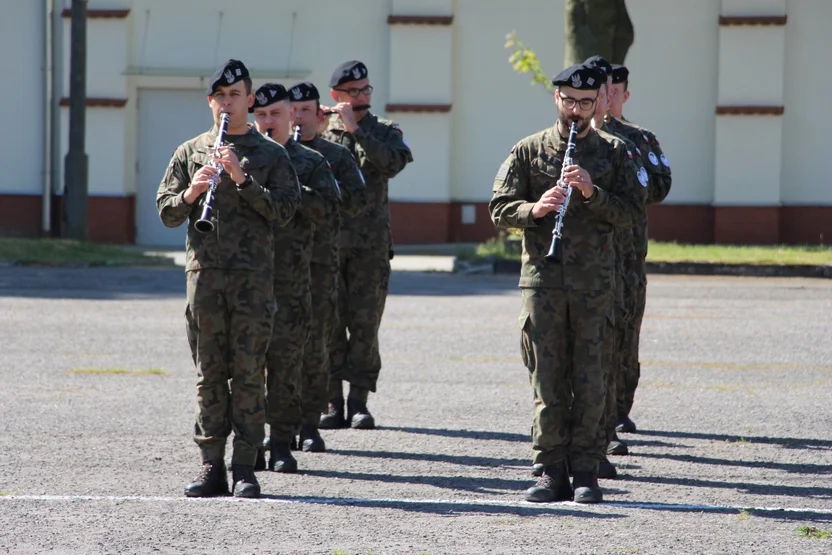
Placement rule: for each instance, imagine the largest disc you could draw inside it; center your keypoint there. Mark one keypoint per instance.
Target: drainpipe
(46, 204)
(55, 79)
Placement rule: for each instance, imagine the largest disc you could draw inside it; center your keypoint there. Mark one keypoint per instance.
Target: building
(734, 89)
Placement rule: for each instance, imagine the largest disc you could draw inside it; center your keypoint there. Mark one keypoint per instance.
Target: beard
(566, 120)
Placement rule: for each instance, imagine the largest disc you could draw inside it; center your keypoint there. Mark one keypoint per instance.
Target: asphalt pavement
(733, 453)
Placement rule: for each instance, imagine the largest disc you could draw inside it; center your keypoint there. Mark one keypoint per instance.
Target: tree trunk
(601, 27)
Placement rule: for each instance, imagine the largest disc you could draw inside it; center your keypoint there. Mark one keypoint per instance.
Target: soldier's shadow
(462, 460)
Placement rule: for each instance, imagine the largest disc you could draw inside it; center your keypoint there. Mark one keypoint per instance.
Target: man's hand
(226, 157)
(200, 183)
(551, 200)
(344, 110)
(579, 178)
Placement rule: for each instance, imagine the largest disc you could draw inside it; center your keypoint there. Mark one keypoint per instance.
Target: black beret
(303, 92)
(620, 74)
(228, 74)
(601, 63)
(268, 94)
(580, 77)
(346, 72)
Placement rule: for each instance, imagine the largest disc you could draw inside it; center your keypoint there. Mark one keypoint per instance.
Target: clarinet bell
(554, 251)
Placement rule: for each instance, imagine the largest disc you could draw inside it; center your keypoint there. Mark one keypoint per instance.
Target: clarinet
(204, 223)
(557, 232)
(296, 136)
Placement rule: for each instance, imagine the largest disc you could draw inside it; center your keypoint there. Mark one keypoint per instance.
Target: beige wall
(808, 119)
(683, 64)
(22, 110)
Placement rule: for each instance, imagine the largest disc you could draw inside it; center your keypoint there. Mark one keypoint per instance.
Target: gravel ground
(733, 455)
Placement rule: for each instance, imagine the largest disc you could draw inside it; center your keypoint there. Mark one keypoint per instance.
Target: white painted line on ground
(393, 502)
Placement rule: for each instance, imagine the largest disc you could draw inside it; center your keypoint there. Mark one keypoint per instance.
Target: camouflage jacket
(658, 169)
(353, 198)
(588, 253)
(242, 238)
(381, 152)
(319, 204)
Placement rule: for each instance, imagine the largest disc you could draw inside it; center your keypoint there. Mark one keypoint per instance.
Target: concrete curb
(499, 266)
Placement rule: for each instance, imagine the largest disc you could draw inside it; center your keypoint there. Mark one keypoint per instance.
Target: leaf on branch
(524, 60)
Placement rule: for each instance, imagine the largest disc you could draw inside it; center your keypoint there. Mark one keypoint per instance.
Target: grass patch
(55, 252)
(508, 247)
(117, 371)
(778, 255)
(6, 493)
(743, 514)
(812, 532)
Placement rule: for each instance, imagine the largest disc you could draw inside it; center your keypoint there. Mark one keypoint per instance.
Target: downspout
(46, 204)
(55, 89)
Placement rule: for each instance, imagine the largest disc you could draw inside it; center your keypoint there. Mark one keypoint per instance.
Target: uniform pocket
(526, 346)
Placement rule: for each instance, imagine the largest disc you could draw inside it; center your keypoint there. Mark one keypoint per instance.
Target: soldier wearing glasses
(568, 306)
(381, 152)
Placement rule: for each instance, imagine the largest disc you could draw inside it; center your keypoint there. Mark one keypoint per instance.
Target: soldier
(306, 112)
(567, 304)
(229, 275)
(658, 167)
(625, 254)
(292, 258)
(381, 152)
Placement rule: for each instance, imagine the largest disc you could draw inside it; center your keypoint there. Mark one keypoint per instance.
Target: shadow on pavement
(813, 492)
(167, 282)
(787, 442)
(463, 434)
(462, 460)
(450, 509)
(794, 468)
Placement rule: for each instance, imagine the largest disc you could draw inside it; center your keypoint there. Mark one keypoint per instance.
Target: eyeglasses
(355, 92)
(584, 103)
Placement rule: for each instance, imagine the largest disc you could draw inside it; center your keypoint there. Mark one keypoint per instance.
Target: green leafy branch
(524, 60)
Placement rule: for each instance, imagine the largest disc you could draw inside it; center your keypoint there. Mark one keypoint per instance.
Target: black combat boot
(617, 447)
(537, 469)
(586, 487)
(281, 459)
(358, 416)
(607, 470)
(210, 482)
(625, 425)
(333, 418)
(245, 482)
(553, 485)
(311, 440)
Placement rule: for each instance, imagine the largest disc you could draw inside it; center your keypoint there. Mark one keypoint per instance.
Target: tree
(592, 27)
(597, 27)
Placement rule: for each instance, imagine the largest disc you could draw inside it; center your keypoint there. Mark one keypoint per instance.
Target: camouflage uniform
(379, 148)
(658, 169)
(292, 258)
(569, 305)
(324, 270)
(229, 284)
(624, 285)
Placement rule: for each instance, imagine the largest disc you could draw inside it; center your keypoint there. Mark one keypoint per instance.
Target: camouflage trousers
(229, 323)
(362, 293)
(564, 333)
(615, 352)
(284, 359)
(630, 365)
(316, 354)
